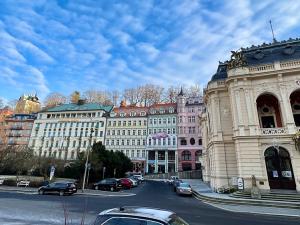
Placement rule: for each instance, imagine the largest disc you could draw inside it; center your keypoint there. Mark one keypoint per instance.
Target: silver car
(184, 189)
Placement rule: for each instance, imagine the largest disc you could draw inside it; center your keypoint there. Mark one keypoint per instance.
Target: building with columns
(161, 149)
(189, 133)
(252, 118)
(126, 131)
(65, 130)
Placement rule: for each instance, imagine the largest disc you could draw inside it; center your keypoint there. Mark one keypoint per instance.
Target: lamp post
(87, 159)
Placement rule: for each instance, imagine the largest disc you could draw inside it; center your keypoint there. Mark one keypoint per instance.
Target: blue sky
(66, 45)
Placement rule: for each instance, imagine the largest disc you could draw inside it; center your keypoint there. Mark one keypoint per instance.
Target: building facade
(161, 149)
(189, 133)
(4, 113)
(28, 104)
(126, 131)
(252, 116)
(65, 130)
(17, 129)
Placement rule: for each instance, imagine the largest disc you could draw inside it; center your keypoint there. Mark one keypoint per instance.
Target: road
(29, 209)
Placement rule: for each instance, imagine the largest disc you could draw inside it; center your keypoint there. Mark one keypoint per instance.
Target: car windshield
(184, 185)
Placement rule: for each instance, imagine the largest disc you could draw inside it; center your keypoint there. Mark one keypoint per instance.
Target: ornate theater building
(252, 120)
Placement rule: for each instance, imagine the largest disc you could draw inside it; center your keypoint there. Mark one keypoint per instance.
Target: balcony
(273, 131)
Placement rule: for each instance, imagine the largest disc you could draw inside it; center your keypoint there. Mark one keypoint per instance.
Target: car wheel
(61, 193)
(112, 189)
(96, 188)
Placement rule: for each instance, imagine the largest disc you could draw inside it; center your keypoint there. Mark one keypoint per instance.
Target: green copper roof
(84, 107)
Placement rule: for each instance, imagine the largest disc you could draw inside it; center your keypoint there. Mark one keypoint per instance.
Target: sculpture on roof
(237, 59)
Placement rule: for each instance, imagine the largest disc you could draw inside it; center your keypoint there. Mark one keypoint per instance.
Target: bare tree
(194, 91)
(54, 99)
(170, 94)
(12, 104)
(115, 97)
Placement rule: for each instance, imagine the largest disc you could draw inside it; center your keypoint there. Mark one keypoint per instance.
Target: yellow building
(252, 116)
(28, 104)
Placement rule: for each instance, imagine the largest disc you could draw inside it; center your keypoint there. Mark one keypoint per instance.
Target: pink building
(189, 132)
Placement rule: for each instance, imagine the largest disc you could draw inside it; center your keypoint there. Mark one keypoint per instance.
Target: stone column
(176, 160)
(166, 161)
(286, 110)
(156, 162)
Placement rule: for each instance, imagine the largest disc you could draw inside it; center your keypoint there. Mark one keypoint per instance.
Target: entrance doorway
(279, 169)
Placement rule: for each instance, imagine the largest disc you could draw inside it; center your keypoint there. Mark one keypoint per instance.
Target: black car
(62, 188)
(138, 216)
(109, 184)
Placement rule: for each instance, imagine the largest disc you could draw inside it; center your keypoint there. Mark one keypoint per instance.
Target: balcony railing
(273, 131)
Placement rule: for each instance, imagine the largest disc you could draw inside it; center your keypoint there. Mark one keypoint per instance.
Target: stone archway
(279, 168)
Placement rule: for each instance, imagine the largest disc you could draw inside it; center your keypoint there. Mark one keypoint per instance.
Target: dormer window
(132, 113)
(122, 114)
(142, 113)
(161, 111)
(152, 111)
(171, 110)
(112, 114)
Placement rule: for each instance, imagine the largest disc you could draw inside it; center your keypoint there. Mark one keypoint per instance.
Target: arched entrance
(279, 169)
(295, 104)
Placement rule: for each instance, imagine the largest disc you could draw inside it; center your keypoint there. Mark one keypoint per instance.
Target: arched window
(192, 141)
(268, 109)
(198, 155)
(186, 155)
(295, 104)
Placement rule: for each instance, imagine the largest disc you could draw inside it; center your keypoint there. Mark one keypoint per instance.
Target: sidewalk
(223, 201)
(88, 192)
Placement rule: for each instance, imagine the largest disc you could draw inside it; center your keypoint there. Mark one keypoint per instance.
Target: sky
(65, 45)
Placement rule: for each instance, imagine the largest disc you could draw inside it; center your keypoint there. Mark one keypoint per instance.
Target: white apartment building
(126, 131)
(65, 130)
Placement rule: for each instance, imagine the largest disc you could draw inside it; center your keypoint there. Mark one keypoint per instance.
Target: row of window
(162, 142)
(58, 154)
(124, 142)
(72, 115)
(134, 153)
(169, 120)
(71, 125)
(129, 132)
(189, 119)
(123, 114)
(75, 133)
(192, 141)
(62, 143)
(162, 110)
(165, 130)
(125, 123)
(186, 130)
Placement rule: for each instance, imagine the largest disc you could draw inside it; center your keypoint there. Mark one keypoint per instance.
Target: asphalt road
(25, 209)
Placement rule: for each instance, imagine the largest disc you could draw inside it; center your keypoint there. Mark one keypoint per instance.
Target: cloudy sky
(63, 45)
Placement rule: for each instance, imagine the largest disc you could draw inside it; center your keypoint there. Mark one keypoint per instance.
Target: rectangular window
(159, 121)
(144, 142)
(101, 133)
(109, 123)
(124, 123)
(129, 123)
(173, 130)
(119, 123)
(127, 152)
(139, 132)
(140, 123)
(122, 142)
(128, 142)
(123, 132)
(132, 153)
(193, 119)
(174, 120)
(133, 132)
(138, 142)
(150, 121)
(138, 153)
(128, 132)
(107, 142)
(118, 142)
(114, 123)
(108, 132)
(112, 142)
(143, 154)
(150, 131)
(145, 122)
(132, 142)
(144, 132)
(134, 123)
(118, 132)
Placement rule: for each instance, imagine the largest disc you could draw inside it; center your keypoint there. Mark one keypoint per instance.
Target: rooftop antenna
(274, 39)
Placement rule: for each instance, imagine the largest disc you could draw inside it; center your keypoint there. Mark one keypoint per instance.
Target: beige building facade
(251, 118)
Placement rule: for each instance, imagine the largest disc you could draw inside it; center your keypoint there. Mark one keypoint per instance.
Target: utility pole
(87, 159)
(274, 39)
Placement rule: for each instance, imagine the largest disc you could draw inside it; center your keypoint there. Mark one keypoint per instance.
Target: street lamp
(87, 159)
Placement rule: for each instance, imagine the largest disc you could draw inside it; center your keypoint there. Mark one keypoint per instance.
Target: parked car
(184, 189)
(139, 177)
(138, 215)
(134, 182)
(126, 183)
(176, 183)
(109, 184)
(172, 179)
(62, 188)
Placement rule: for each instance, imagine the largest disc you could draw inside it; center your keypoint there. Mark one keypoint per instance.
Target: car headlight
(180, 190)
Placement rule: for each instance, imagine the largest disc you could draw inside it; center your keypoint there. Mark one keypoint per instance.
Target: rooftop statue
(237, 59)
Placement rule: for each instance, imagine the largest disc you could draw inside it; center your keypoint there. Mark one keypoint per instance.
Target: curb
(77, 193)
(253, 202)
